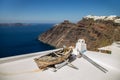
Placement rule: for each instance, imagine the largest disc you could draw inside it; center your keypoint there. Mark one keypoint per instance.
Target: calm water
(17, 40)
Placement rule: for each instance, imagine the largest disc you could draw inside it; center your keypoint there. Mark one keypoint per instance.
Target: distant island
(15, 24)
(98, 31)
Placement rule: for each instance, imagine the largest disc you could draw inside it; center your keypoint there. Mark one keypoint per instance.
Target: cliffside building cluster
(114, 18)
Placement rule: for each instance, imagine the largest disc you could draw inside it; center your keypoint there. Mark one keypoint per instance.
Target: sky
(54, 11)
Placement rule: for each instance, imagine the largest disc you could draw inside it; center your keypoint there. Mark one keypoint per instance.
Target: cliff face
(97, 33)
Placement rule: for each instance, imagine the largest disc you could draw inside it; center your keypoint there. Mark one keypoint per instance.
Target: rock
(97, 33)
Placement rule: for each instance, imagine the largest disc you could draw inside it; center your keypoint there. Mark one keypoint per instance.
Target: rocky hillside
(96, 32)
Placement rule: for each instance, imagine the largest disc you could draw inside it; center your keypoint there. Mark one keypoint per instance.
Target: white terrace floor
(26, 68)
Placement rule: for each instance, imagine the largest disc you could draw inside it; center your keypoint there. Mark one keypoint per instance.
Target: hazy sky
(47, 11)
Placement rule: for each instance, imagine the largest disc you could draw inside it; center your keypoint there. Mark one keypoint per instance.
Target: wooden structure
(53, 58)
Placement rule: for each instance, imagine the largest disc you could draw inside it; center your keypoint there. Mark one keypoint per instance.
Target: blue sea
(17, 40)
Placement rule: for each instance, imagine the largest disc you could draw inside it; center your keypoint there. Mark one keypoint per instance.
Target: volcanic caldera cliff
(96, 32)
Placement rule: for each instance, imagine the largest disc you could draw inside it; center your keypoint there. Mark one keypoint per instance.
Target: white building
(111, 17)
(117, 20)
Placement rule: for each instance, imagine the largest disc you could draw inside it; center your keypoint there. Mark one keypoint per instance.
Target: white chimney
(80, 47)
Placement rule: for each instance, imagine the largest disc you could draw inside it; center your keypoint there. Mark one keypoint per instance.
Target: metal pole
(95, 64)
